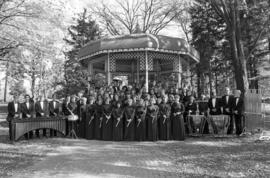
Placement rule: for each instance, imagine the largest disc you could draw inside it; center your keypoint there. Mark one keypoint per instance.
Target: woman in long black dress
(90, 120)
(140, 121)
(151, 118)
(178, 127)
(129, 114)
(98, 119)
(107, 124)
(164, 120)
(83, 115)
(118, 122)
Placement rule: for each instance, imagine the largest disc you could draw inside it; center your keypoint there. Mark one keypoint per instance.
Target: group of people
(128, 113)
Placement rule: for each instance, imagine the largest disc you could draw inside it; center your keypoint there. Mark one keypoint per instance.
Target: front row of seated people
(133, 116)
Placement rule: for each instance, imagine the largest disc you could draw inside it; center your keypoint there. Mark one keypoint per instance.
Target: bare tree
(128, 17)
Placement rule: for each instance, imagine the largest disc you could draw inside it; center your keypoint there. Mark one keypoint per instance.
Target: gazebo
(138, 56)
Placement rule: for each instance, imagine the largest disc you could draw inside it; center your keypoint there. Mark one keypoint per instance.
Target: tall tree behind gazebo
(82, 32)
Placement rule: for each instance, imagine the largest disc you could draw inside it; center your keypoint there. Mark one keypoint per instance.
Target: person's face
(99, 102)
(128, 96)
(118, 105)
(107, 101)
(68, 99)
(141, 102)
(227, 91)
(130, 102)
(27, 98)
(16, 99)
(80, 94)
(177, 98)
(116, 97)
(152, 101)
(84, 101)
(164, 100)
(73, 99)
(191, 99)
(214, 94)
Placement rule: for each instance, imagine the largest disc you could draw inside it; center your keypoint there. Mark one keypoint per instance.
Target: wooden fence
(257, 110)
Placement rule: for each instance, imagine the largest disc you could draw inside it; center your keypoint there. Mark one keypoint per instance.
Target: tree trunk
(239, 60)
(6, 82)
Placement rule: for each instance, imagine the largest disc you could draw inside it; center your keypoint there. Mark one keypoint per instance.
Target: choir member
(178, 128)
(129, 126)
(72, 109)
(14, 111)
(117, 115)
(82, 117)
(42, 110)
(237, 108)
(190, 109)
(214, 108)
(28, 110)
(164, 121)
(140, 130)
(226, 102)
(98, 119)
(54, 109)
(107, 124)
(90, 120)
(151, 119)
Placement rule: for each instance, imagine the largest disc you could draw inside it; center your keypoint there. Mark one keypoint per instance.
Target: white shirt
(236, 102)
(54, 103)
(27, 105)
(41, 105)
(16, 107)
(214, 102)
(227, 99)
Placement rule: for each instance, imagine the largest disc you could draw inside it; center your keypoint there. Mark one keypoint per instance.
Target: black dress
(164, 122)
(178, 127)
(140, 130)
(90, 122)
(107, 123)
(98, 122)
(82, 122)
(117, 124)
(129, 127)
(151, 119)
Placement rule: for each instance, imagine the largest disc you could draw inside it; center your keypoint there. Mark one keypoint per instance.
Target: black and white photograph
(134, 88)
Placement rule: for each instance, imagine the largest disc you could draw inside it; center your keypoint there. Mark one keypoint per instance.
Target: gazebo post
(107, 69)
(146, 71)
(179, 72)
(138, 72)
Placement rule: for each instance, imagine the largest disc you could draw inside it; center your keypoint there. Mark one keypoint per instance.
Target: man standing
(227, 101)
(54, 108)
(214, 108)
(42, 110)
(28, 110)
(237, 108)
(14, 111)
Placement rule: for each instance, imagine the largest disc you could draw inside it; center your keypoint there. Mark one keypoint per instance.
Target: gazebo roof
(138, 42)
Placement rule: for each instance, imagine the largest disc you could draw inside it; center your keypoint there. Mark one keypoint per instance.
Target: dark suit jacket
(217, 107)
(191, 107)
(11, 110)
(26, 110)
(227, 105)
(54, 110)
(239, 106)
(45, 109)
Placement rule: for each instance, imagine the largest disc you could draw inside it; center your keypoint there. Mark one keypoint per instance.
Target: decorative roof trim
(140, 49)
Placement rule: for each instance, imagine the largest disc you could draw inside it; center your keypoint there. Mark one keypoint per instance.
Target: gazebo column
(146, 72)
(107, 69)
(90, 69)
(179, 72)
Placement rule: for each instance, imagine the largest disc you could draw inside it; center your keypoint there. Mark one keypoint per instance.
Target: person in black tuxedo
(42, 110)
(54, 109)
(237, 109)
(14, 111)
(28, 109)
(214, 108)
(190, 109)
(227, 101)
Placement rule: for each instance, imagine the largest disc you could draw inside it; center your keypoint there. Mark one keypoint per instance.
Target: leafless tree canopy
(127, 17)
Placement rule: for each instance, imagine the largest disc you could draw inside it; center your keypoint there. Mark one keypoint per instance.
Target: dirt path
(195, 157)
